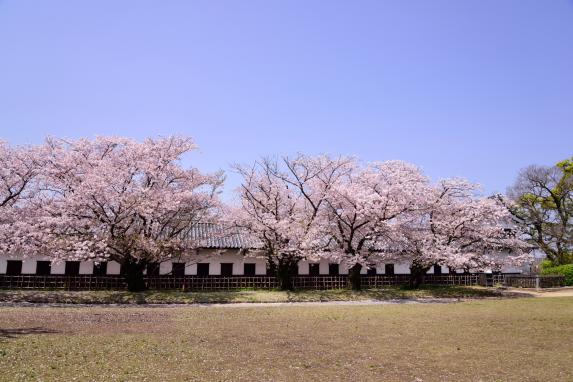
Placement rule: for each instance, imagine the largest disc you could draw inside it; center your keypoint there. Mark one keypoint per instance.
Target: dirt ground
(517, 339)
(549, 292)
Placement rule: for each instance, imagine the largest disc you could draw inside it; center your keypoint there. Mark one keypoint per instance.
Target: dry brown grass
(488, 340)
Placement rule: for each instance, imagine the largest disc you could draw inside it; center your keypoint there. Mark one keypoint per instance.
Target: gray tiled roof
(211, 235)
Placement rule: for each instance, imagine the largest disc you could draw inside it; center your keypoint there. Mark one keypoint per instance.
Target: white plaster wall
(523, 269)
(28, 263)
(255, 257)
(165, 267)
(215, 258)
(29, 266)
(113, 268)
(191, 269)
(239, 265)
(323, 267)
(401, 268)
(215, 268)
(58, 268)
(86, 267)
(261, 267)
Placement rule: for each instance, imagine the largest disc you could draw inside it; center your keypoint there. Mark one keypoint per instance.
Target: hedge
(565, 270)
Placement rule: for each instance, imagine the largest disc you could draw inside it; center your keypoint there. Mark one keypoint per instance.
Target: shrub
(565, 270)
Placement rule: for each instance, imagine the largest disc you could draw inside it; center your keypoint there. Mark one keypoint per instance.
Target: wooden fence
(81, 282)
(526, 281)
(320, 282)
(453, 279)
(91, 282)
(211, 282)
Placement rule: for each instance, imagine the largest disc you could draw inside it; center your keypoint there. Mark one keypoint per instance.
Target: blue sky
(476, 89)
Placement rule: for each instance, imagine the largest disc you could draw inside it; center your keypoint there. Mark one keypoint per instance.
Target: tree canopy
(542, 200)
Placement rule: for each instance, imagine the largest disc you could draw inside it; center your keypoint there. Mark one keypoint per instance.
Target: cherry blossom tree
(279, 203)
(358, 221)
(118, 199)
(134, 202)
(455, 227)
(19, 167)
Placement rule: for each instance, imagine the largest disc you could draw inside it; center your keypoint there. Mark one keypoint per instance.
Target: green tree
(543, 201)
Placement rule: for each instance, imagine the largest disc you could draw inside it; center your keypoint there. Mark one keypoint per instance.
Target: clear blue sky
(476, 89)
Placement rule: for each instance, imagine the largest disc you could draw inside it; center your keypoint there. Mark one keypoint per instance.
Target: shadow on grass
(6, 334)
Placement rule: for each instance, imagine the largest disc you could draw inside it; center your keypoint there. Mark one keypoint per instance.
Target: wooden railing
(453, 279)
(320, 282)
(117, 282)
(81, 282)
(211, 282)
(525, 281)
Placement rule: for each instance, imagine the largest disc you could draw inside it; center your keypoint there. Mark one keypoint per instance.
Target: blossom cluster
(106, 198)
(114, 198)
(362, 214)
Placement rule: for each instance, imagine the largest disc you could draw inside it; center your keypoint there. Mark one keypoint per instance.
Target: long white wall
(214, 259)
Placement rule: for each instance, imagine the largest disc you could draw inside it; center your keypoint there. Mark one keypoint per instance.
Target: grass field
(234, 296)
(527, 339)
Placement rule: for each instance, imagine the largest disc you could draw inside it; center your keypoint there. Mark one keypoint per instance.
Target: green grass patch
(235, 296)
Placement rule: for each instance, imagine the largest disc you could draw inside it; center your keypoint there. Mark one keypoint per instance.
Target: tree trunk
(285, 269)
(284, 278)
(354, 277)
(133, 273)
(417, 273)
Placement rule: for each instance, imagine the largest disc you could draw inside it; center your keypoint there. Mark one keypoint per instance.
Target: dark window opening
(72, 268)
(153, 269)
(203, 269)
(43, 268)
(14, 267)
(389, 269)
(371, 271)
(226, 269)
(178, 269)
(437, 269)
(314, 269)
(333, 269)
(100, 269)
(249, 269)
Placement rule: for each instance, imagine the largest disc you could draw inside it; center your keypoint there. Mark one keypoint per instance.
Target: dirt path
(544, 293)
